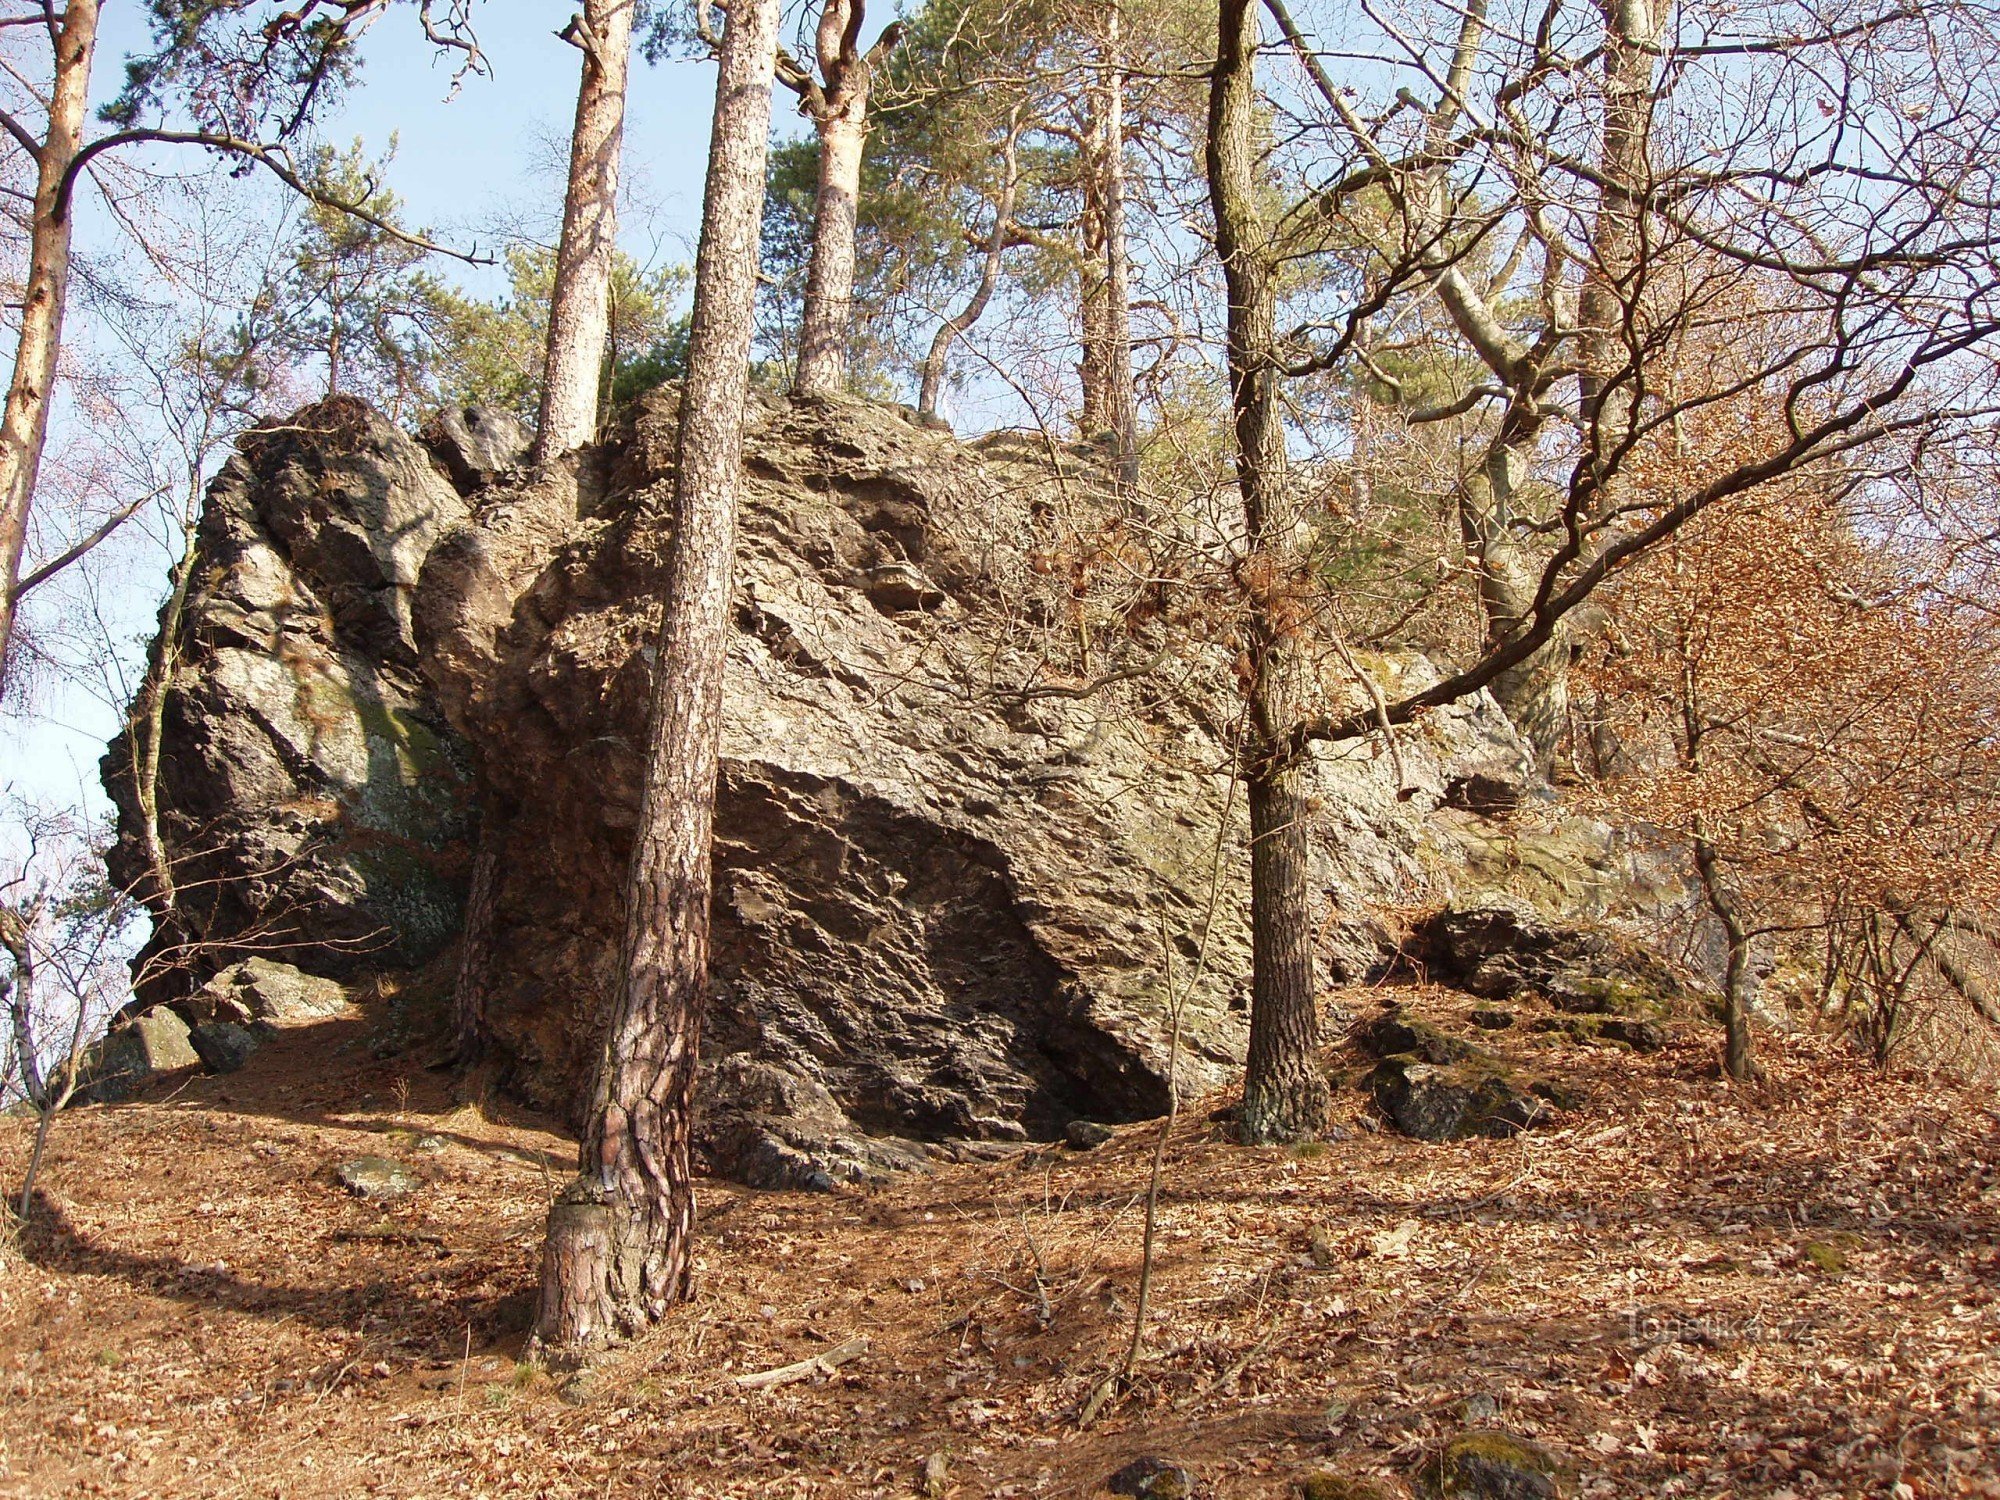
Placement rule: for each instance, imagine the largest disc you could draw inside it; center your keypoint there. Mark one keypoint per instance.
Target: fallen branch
(823, 1363)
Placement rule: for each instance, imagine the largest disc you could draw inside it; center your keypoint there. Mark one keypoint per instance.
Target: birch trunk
(25, 423)
(620, 1239)
(1284, 1096)
(580, 302)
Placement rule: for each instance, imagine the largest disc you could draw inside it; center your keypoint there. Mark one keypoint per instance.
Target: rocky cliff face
(315, 803)
(952, 891)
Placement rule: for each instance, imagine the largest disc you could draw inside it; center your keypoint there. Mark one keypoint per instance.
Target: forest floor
(1678, 1289)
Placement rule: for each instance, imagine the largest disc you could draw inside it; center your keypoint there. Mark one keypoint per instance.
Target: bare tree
(272, 68)
(620, 1243)
(1623, 207)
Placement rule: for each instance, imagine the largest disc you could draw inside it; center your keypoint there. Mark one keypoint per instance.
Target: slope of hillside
(1675, 1289)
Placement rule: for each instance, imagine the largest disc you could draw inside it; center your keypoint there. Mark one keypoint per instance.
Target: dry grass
(1681, 1290)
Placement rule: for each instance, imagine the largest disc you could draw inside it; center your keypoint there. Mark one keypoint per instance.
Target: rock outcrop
(951, 881)
(315, 803)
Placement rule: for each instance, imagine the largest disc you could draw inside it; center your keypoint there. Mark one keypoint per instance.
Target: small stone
(1152, 1478)
(1478, 1410)
(375, 1178)
(1491, 1018)
(1324, 1247)
(1825, 1257)
(1087, 1135)
(431, 1143)
(1490, 1465)
(937, 1475)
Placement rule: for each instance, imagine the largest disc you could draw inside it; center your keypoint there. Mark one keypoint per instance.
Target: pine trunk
(620, 1239)
(1284, 1096)
(1121, 404)
(828, 315)
(580, 301)
(25, 423)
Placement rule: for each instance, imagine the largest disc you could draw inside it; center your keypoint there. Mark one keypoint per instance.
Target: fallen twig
(823, 1363)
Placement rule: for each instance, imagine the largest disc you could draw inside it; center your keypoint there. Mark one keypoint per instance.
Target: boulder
(262, 994)
(223, 1046)
(475, 445)
(1491, 1465)
(1088, 1135)
(1399, 1030)
(376, 1178)
(1478, 1096)
(137, 1050)
(941, 862)
(1152, 1478)
(1503, 948)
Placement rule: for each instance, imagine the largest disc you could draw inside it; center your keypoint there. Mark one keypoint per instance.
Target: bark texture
(1284, 1097)
(25, 423)
(1739, 1059)
(838, 105)
(580, 303)
(1121, 401)
(619, 1244)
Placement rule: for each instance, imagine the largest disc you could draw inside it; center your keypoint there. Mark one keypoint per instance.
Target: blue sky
(459, 162)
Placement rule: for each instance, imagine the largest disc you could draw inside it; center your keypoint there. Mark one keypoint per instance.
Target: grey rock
(1449, 1103)
(1490, 1465)
(1087, 1135)
(1152, 1478)
(223, 1046)
(475, 444)
(1503, 947)
(136, 1051)
(376, 1178)
(936, 886)
(315, 804)
(261, 992)
(1492, 1018)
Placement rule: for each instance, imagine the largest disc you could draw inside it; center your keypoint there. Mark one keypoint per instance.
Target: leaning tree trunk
(953, 328)
(1284, 1096)
(24, 425)
(620, 1238)
(580, 302)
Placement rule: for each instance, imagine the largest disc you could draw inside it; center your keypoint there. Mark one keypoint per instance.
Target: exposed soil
(1678, 1288)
